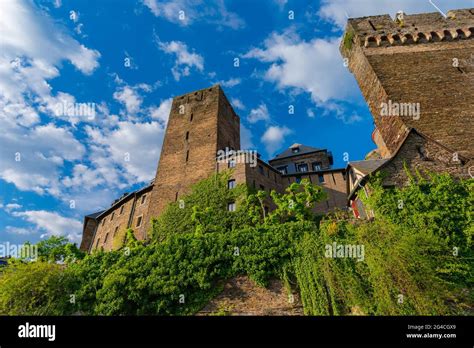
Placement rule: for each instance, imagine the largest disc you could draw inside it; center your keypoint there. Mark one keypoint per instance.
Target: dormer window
(301, 167)
(295, 150)
(317, 166)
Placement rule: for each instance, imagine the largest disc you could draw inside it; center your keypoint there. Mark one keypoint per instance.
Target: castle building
(416, 73)
(202, 125)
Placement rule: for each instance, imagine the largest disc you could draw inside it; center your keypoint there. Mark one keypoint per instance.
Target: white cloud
(32, 48)
(53, 224)
(336, 11)
(134, 147)
(237, 103)
(260, 113)
(30, 32)
(162, 112)
(31, 158)
(246, 142)
(83, 176)
(230, 82)
(185, 60)
(281, 3)
(185, 12)
(12, 206)
(19, 230)
(313, 66)
(310, 113)
(341, 113)
(129, 97)
(274, 137)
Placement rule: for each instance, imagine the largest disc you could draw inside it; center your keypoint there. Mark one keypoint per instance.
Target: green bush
(417, 259)
(403, 271)
(35, 288)
(180, 275)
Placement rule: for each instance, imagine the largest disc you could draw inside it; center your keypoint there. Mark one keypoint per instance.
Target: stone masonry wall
(423, 155)
(414, 62)
(187, 159)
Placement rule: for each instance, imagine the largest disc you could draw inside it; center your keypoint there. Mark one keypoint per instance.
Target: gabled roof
(368, 166)
(303, 149)
(94, 215)
(378, 166)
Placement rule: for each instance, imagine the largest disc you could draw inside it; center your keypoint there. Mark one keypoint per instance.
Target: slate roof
(304, 149)
(94, 215)
(368, 166)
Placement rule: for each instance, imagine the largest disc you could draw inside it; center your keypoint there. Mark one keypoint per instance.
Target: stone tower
(422, 60)
(200, 124)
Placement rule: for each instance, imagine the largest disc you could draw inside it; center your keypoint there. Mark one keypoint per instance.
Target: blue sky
(129, 58)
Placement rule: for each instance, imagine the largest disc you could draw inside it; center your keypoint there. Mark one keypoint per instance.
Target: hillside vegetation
(415, 257)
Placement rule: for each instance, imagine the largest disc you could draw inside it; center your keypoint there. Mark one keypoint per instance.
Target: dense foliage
(34, 288)
(413, 258)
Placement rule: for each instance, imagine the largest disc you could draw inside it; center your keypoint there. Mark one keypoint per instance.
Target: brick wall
(200, 123)
(112, 224)
(309, 159)
(423, 155)
(413, 63)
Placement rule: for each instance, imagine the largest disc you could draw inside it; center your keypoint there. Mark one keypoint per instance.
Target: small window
(121, 209)
(191, 118)
(143, 199)
(302, 167)
(139, 221)
(231, 206)
(112, 216)
(97, 244)
(106, 237)
(176, 197)
(317, 166)
(187, 136)
(187, 155)
(321, 178)
(103, 222)
(231, 163)
(262, 188)
(115, 231)
(260, 169)
(231, 184)
(283, 169)
(298, 180)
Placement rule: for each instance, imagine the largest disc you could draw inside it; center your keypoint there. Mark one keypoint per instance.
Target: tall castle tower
(425, 59)
(200, 124)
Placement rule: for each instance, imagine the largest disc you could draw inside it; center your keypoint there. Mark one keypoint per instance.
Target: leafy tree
(205, 208)
(198, 246)
(58, 248)
(297, 203)
(440, 204)
(34, 288)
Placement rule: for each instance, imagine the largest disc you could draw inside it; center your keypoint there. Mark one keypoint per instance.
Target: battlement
(376, 31)
(199, 94)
